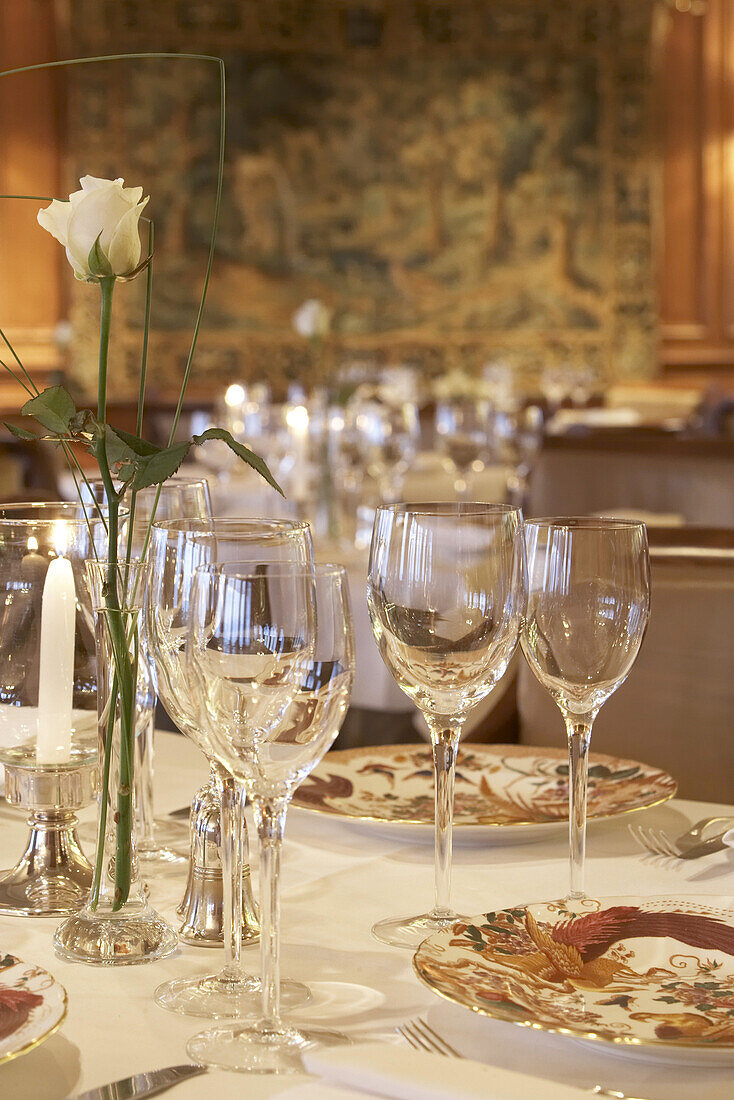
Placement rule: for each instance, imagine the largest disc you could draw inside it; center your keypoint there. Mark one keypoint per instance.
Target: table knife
(142, 1084)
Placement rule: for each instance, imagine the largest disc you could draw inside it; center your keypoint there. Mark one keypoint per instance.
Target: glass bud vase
(118, 926)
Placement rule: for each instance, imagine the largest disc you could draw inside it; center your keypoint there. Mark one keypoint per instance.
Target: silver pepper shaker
(202, 907)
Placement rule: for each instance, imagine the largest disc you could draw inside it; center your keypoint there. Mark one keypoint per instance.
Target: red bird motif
(593, 934)
(317, 790)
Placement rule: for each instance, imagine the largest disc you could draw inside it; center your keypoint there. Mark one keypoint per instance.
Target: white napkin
(317, 1090)
(728, 838)
(383, 1069)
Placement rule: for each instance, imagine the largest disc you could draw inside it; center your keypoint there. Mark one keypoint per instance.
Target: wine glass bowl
(462, 433)
(587, 611)
(445, 591)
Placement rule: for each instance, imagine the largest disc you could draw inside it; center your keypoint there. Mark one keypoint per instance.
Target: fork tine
(654, 843)
(415, 1039)
(440, 1044)
(635, 832)
(666, 845)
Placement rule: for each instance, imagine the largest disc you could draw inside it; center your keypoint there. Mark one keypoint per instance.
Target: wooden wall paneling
(727, 167)
(697, 263)
(682, 118)
(31, 288)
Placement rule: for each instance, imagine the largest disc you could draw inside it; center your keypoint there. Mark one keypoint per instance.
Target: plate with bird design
(504, 794)
(32, 1006)
(650, 978)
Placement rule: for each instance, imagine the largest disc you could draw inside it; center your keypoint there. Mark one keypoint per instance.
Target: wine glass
(446, 591)
(272, 651)
(462, 432)
(177, 550)
(388, 437)
(176, 499)
(587, 611)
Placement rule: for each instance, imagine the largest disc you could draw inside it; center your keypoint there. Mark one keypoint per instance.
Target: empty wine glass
(272, 653)
(177, 550)
(446, 593)
(462, 433)
(388, 437)
(587, 611)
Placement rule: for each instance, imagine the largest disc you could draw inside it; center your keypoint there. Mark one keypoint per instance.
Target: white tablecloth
(337, 880)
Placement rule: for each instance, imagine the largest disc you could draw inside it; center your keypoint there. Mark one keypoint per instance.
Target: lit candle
(56, 673)
(297, 420)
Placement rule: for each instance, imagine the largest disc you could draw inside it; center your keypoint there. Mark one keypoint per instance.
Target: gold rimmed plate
(650, 978)
(504, 794)
(32, 1006)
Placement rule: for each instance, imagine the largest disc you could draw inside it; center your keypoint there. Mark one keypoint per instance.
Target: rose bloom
(103, 210)
(313, 318)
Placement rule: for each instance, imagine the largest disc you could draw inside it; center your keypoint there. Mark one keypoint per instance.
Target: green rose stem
(123, 683)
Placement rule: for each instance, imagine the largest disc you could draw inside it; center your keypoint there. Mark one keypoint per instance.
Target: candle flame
(297, 418)
(234, 396)
(32, 542)
(61, 538)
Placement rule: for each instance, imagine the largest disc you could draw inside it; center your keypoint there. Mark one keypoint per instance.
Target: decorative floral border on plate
(496, 786)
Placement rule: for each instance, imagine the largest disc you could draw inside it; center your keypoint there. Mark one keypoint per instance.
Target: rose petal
(124, 250)
(93, 183)
(97, 212)
(55, 220)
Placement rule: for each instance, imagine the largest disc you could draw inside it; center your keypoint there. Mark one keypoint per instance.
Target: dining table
(338, 878)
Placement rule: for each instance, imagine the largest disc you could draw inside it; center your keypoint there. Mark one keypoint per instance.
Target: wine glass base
(258, 1050)
(162, 857)
(410, 932)
(214, 997)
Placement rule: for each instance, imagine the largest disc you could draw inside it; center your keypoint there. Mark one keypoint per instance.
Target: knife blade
(142, 1084)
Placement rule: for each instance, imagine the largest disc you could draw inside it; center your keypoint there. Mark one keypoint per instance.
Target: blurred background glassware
(118, 926)
(388, 437)
(462, 434)
(48, 706)
(179, 498)
(446, 595)
(516, 437)
(500, 385)
(178, 549)
(587, 610)
(272, 654)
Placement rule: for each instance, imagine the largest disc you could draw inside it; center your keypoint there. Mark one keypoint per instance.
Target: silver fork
(657, 842)
(421, 1036)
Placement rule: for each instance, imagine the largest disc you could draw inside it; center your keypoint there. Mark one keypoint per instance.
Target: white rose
(103, 210)
(313, 318)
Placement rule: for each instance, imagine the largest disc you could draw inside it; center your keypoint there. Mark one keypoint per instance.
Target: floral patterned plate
(652, 978)
(504, 793)
(32, 1006)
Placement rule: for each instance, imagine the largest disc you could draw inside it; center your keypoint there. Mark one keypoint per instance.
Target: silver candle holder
(48, 726)
(53, 876)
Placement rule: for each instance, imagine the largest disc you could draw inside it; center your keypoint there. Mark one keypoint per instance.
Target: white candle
(56, 673)
(297, 419)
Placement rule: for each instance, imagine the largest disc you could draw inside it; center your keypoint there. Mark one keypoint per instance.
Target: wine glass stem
(232, 855)
(579, 738)
(270, 822)
(445, 742)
